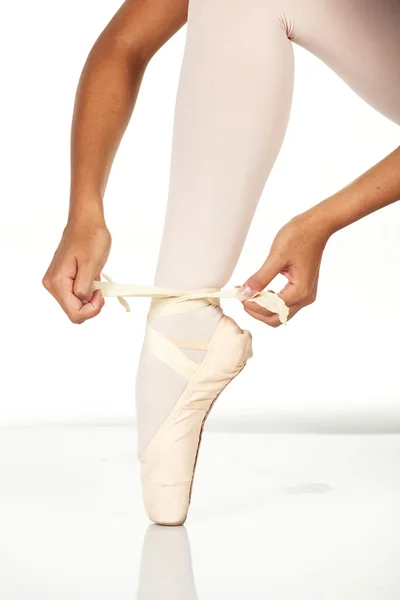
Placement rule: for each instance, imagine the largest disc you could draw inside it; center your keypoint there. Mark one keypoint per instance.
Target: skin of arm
(105, 98)
(297, 249)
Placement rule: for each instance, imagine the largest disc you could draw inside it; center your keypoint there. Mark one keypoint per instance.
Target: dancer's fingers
(259, 281)
(271, 319)
(87, 271)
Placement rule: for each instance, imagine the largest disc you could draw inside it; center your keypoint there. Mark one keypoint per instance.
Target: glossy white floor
(273, 516)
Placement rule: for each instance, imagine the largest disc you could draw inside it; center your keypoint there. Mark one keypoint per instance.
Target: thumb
(83, 284)
(261, 278)
(297, 291)
(290, 294)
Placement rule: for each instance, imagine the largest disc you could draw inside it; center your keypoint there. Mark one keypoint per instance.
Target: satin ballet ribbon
(162, 296)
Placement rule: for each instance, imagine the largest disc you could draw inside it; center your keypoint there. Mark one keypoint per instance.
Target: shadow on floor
(373, 422)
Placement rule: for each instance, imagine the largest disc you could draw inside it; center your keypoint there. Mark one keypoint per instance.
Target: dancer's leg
(232, 109)
(360, 40)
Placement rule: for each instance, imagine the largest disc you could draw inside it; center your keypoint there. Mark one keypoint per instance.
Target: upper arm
(145, 25)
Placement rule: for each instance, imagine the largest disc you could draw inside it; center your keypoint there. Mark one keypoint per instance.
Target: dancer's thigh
(359, 40)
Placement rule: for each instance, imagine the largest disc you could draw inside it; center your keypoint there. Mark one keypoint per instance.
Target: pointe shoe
(168, 462)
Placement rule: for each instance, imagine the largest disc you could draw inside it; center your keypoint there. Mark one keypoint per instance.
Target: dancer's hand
(296, 252)
(78, 260)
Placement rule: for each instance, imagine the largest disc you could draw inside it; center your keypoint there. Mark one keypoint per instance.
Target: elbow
(130, 48)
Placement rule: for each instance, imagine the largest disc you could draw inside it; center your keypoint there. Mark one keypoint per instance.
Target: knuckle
(57, 279)
(80, 291)
(310, 298)
(304, 293)
(75, 319)
(95, 312)
(86, 262)
(46, 282)
(255, 282)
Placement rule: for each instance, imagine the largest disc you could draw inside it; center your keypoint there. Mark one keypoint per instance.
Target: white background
(336, 361)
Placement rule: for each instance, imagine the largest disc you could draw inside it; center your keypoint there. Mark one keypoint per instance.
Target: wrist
(338, 211)
(333, 213)
(318, 221)
(85, 209)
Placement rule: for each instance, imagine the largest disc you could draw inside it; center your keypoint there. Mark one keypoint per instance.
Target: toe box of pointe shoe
(166, 504)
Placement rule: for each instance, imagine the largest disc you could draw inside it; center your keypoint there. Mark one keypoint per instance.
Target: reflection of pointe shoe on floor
(166, 566)
(169, 460)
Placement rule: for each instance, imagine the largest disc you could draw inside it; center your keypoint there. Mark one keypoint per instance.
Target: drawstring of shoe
(168, 301)
(165, 301)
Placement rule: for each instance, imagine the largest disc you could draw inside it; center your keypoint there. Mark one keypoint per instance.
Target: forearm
(107, 92)
(373, 190)
(105, 98)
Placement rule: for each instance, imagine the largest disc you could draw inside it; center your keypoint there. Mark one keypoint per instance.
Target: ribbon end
(124, 303)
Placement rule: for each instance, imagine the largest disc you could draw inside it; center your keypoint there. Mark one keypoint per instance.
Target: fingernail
(245, 292)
